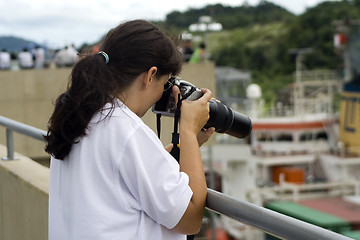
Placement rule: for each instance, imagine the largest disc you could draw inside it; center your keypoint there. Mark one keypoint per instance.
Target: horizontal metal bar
(267, 220)
(23, 128)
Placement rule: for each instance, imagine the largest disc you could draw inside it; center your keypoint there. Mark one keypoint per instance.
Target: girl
(110, 176)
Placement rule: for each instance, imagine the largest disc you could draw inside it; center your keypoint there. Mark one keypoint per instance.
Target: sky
(62, 22)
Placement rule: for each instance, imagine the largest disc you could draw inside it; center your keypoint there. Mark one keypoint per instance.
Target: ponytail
(75, 108)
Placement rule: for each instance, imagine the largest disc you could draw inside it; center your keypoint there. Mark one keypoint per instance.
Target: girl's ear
(151, 73)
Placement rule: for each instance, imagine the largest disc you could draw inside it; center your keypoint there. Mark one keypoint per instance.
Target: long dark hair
(133, 48)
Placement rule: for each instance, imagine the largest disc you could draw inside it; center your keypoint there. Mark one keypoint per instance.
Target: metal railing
(27, 130)
(267, 220)
(272, 222)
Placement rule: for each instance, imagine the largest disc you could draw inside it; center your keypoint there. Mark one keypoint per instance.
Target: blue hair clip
(105, 56)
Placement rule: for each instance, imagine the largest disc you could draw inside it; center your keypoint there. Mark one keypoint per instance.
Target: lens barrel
(225, 120)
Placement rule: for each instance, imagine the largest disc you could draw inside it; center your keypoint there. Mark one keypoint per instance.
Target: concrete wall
(27, 96)
(24, 190)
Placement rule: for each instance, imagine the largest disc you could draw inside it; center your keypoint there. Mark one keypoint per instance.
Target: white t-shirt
(25, 59)
(4, 60)
(118, 182)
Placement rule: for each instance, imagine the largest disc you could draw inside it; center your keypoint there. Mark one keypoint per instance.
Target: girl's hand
(204, 135)
(195, 114)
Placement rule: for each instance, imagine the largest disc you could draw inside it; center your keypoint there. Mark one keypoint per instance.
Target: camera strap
(175, 151)
(158, 124)
(177, 113)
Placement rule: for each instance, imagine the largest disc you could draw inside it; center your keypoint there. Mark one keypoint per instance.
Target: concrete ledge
(24, 191)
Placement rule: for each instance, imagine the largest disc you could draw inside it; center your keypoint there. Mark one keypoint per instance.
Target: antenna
(298, 87)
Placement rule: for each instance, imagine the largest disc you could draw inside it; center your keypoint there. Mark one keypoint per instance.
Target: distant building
(231, 85)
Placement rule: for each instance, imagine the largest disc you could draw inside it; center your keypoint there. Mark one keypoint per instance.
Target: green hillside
(232, 17)
(259, 38)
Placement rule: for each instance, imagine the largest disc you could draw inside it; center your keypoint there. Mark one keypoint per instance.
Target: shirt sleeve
(152, 176)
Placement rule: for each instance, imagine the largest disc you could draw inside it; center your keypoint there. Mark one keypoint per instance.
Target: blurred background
(292, 66)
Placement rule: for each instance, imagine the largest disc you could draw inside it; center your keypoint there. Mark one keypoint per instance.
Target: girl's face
(152, 94)
(159, 86)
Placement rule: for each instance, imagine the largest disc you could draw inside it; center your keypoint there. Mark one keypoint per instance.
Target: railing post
(9, 145)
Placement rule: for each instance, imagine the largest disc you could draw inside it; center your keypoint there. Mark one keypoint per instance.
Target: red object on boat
(290, 174)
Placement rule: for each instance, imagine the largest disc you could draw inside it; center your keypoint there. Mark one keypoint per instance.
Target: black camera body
(224, 119)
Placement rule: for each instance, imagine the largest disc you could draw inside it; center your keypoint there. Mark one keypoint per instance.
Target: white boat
(295, 157)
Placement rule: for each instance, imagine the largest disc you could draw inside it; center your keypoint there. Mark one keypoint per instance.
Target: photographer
(110, 176)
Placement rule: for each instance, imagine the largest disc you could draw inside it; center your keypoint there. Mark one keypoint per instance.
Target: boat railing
(286, 191)
(267, 220)
(319, 75)
(314, 94)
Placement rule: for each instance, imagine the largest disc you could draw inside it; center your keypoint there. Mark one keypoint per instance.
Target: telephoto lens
(225, 120)
(222, 118)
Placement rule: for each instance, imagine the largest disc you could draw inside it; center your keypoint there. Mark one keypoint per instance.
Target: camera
(223, 118)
